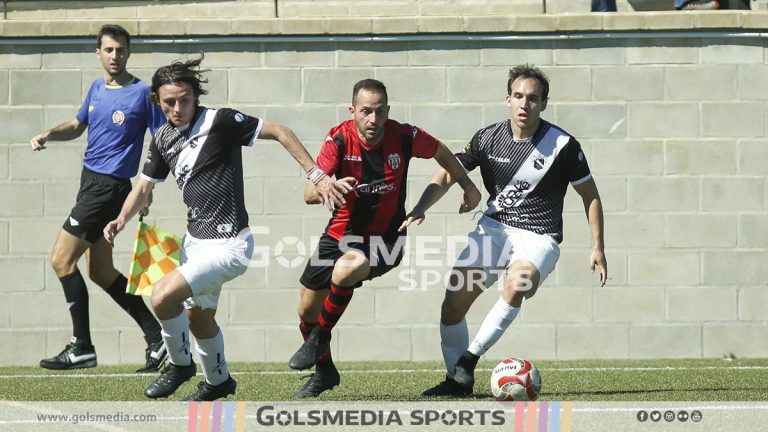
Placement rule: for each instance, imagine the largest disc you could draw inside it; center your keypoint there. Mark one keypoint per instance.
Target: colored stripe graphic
(565, 426)
(205, 416)
(554, 417)
(229, 416)
(543, 411)
(216, 426)
(519, 416)
(240, 422)
(192, 420)
(530, 421)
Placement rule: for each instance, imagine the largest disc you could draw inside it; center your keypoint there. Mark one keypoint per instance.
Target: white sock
(495, 323)
(175, 333)
(212, 360)
(453, 341)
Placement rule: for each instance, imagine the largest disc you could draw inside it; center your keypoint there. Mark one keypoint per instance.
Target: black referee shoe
(170, 379)
(155, 355)
(449, 387)
(325, 378)
(465, 370)
(316, 345)
(210, 392)
(76, 355)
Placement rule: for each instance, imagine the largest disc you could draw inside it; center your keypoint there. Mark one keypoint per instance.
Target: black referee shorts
(98, 202)
(317, 274)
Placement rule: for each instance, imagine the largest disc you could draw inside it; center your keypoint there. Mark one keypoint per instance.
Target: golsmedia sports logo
(268, 415)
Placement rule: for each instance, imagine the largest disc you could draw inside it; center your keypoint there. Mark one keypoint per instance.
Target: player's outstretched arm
(456, 173)
(323, 184)
(136, 200)
(434, 191)
(440, 184)
(594, 210)
(63, 132)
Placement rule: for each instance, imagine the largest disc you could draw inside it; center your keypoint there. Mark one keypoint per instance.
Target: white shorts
(208, 264)
(493, 246)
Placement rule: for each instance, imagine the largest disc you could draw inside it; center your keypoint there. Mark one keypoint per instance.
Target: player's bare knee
(100, 277)
(515, 292)
(350, 272)
(160, 299)
(62, 264)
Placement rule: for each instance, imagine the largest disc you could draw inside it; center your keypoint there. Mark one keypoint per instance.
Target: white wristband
(315, 175)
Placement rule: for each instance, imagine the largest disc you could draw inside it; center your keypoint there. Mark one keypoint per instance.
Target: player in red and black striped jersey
(369, 156)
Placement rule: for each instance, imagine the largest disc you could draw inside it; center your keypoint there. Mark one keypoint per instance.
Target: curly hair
(181, 72)
(529, 71)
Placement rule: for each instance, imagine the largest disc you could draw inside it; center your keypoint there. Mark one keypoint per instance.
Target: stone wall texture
(670, 108)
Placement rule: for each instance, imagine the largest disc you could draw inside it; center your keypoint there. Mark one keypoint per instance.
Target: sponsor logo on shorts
(73, 221)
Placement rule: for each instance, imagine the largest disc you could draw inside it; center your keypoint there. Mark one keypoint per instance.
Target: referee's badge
(394, 161)
(118, 118)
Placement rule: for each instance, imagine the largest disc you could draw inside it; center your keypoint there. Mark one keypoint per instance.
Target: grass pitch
(606, 380)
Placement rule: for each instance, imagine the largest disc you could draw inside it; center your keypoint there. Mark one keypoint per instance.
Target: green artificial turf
(604, 380)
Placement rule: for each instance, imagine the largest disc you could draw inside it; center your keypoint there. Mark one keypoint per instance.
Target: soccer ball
(515, 379)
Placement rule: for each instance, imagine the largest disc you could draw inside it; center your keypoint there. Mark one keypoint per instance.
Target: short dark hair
(371, 85)
(180, 72)
(529, 71)
(114, 31)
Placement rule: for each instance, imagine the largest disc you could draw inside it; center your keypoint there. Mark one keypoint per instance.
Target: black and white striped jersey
(527, 179)
(206, 160)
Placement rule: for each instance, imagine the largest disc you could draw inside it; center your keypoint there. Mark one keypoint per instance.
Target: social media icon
(682, 416)
(655, 416)
(696, 416)
(669, 416)
(642, 416)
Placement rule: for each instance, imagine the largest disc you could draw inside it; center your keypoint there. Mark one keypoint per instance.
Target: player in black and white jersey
(526, 164)
(202, 148)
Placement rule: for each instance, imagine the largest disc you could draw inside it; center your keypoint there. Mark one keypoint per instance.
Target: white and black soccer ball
(515, 379)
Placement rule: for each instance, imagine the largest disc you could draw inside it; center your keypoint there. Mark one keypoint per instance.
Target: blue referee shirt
(117, 119)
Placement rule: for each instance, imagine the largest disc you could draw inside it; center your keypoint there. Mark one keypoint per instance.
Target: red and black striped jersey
(377, 205)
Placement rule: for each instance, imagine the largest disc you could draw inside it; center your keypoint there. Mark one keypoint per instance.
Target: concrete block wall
(674, 129)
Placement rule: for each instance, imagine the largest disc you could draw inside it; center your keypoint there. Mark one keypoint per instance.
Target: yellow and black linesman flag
(155, 254)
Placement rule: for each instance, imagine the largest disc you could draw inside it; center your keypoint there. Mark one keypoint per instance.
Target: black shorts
(317, 274)
(99, 201)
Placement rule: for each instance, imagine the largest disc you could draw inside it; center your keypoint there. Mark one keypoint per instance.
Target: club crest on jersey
(118, 118)
(393, 160)
(539, 161)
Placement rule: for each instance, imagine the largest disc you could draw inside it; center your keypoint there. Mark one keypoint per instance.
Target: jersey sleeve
(243, 129)
(576, 166)
(85, 108)
(155, 168)
(328, 158)
(424, 144)
(470, 156)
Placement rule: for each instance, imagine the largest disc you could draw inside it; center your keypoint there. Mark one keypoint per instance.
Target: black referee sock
(76, 294)
(136, 308)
